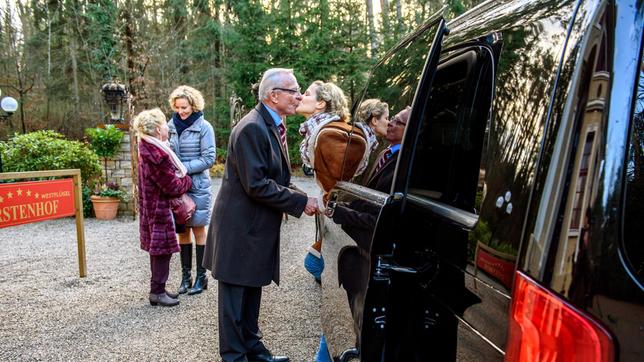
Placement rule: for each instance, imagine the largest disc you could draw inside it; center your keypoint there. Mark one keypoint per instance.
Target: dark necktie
(282, 130)
(383, 159)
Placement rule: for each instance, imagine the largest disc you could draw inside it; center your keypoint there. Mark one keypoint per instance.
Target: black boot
(201, 282)
(186, 268)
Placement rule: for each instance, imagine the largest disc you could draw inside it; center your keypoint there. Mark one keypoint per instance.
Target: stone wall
(119, 170)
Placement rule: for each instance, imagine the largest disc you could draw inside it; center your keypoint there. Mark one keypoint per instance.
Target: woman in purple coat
(162, 177)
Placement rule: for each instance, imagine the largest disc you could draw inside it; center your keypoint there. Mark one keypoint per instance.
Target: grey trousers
(239, 333)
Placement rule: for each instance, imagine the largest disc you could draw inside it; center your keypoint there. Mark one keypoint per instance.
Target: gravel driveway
(48, 313)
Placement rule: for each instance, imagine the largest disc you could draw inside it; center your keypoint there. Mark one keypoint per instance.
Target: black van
(514, 225)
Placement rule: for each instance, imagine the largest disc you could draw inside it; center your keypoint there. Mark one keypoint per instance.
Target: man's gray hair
(272, 78)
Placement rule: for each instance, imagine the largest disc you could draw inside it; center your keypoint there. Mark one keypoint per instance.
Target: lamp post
(115, 95)
(9, 105)
(118, 100)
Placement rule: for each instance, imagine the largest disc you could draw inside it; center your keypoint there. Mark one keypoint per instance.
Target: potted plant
(493, 256)
(106, 200)
(107, 195)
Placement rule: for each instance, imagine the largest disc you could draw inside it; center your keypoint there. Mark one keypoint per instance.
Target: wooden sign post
(32, 201)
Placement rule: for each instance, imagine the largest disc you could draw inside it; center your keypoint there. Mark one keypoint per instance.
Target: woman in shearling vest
(193, 140)
(324, 105)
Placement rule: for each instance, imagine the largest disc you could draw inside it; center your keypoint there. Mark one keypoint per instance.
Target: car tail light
(544, 327)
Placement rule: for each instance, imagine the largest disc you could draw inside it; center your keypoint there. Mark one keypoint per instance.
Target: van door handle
(385, 265)
(392, 267)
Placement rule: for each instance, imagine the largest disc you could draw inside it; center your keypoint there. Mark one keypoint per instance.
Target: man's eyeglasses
(292, 91)
(396, 121)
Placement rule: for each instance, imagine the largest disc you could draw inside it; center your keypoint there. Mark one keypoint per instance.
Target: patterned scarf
(307, 129)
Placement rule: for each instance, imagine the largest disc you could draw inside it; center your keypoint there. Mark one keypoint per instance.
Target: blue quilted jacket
(196, 149)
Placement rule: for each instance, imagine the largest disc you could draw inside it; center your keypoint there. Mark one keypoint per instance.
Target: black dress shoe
(266, 357)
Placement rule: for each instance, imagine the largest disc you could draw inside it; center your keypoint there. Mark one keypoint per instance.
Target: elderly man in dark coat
(242, 247)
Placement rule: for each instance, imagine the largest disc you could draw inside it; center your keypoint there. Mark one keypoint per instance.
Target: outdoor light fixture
(9, 105)
(115, 95)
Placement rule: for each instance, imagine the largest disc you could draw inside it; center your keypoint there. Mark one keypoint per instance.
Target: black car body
(514, 225)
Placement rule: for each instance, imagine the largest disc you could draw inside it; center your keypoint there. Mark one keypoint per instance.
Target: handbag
(183, 207)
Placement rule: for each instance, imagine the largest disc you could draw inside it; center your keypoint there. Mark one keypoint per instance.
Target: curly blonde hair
(146, 122)
(190, 94)
(370, 108)
(336, 102)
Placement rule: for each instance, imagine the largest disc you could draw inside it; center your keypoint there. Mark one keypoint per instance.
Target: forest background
(56, 54)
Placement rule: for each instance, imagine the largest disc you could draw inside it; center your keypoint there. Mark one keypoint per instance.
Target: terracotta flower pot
(105, 208)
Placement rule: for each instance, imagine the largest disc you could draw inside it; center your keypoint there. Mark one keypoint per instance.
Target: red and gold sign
(501, 270)
(25, 202)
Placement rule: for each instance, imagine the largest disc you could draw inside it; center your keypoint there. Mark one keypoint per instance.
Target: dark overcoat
(158, 183)
(242, 246)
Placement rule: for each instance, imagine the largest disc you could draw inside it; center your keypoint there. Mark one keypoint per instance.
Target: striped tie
(282, 130)
(383, 159)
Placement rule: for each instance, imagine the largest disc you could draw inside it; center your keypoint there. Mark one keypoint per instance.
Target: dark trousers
(160, 267)
(239, 333)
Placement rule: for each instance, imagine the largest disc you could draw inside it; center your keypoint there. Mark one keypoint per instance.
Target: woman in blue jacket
(193, 140)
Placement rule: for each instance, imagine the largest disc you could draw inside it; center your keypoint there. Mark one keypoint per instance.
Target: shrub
(222, 153)
(105, 141)
(217, 170)
(87, 203)
(49, 150)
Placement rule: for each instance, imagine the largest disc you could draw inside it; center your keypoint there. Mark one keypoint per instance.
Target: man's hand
(311, 206)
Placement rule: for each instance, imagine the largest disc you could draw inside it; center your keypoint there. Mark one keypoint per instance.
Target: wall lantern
(115, 95)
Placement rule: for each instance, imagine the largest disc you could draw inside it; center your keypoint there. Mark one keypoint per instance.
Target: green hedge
(49, 150)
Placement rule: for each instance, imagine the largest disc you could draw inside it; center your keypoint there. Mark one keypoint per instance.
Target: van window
(634, 202)
(394, 81)
(446, 164)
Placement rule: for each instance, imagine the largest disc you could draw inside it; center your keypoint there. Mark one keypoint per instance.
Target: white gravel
(49, 313)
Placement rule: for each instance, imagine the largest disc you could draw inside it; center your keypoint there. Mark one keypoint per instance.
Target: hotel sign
(31, 201)
(25, 202)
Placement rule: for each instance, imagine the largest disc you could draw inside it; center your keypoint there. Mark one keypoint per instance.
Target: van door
(417, 288)
(356, 208)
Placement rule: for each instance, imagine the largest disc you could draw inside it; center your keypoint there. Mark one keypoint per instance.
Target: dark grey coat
(243, 245)
(196, 149)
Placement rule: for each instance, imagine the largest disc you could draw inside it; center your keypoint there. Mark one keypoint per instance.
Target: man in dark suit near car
(242, 248)
(382, 172)
(380, 178)
(358, 220)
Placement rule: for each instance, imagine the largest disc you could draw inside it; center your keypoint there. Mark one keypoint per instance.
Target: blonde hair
(371, 108)
(146, 122)
(190, 94)
(272, 78)
(336, 102)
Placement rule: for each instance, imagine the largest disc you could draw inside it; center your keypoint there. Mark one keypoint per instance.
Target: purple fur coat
(157, 185)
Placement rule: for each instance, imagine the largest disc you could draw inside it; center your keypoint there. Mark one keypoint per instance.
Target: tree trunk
(384, 7)
(372, 29)
(48, 40)
(73, 56)
(399, 20)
